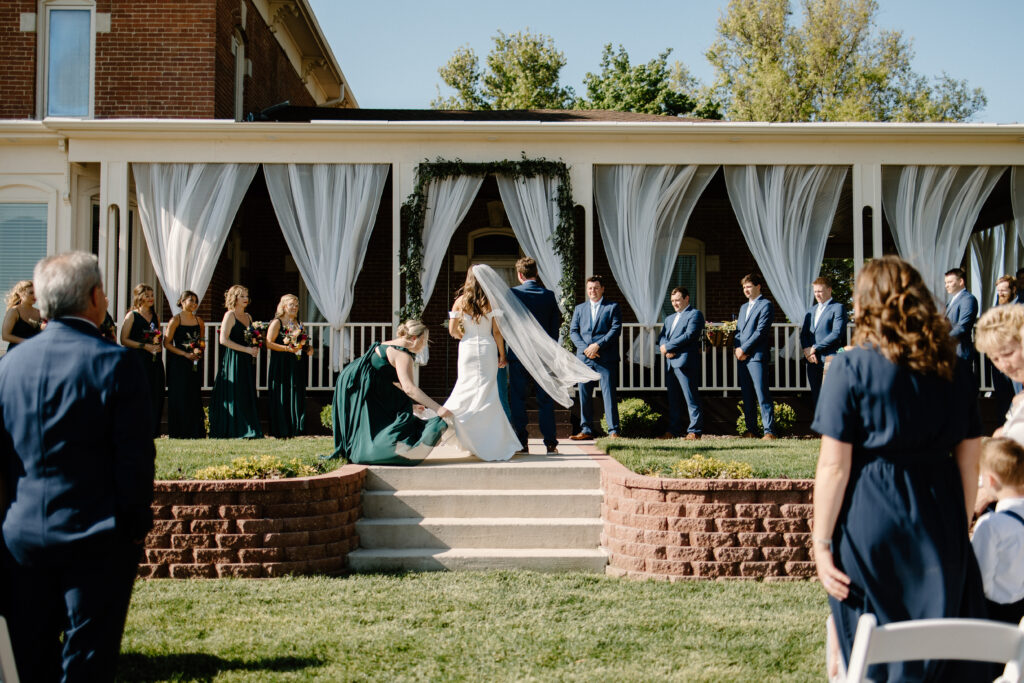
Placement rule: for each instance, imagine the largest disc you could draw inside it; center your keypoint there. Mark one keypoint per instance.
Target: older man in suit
(962, 313)
(753, 343)
(822, 334)
(680, 344)
(542, 304)
(595, 329)
(76, 444)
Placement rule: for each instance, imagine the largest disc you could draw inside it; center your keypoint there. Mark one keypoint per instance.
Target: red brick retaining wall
(705, 528)
(254, 528)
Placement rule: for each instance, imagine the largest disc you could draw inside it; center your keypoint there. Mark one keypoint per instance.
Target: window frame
(43, 53)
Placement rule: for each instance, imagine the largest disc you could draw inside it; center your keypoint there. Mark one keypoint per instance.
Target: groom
(542, 304)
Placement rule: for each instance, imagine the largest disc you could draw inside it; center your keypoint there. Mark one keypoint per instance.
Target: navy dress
(901, 535)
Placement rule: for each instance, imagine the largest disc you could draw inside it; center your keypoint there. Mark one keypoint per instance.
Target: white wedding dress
(481, 426)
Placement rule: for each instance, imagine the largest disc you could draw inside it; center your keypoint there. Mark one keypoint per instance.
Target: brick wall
(254, 529)
(705, 528)
(18, 56)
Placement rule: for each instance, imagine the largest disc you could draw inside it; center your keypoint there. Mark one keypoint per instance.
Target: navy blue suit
(682, 334)
(962, 313)
(754, 337)
(542, 304)
(825, 338)
(604, 331)
(77, 449)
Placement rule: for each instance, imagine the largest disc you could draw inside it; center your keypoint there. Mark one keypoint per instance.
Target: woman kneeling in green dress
(374, 421)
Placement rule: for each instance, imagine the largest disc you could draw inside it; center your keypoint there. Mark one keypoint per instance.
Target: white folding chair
(8, 672)
(976, 640)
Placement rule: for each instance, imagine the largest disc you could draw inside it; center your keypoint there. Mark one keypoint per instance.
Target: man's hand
(592, 351)
(670, 355)
(812, 357)
(664, 350)
(740, 355)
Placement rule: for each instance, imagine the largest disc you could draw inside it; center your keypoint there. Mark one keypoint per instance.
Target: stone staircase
(534, 512)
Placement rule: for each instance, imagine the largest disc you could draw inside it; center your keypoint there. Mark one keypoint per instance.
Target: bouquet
(296, 337)
(255, 335)
(152, 336)
(194, 345)
(108, 329)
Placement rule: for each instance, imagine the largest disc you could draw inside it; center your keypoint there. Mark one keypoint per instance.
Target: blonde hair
(284, 302)
(897, 314)
(413, 328)
(473, 300)
(999, 326)
(17, 293)
(231, 296)
(1005, 459)
(137, 294)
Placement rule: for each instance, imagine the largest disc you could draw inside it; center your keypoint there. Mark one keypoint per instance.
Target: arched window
(498, 248)
(688, 272)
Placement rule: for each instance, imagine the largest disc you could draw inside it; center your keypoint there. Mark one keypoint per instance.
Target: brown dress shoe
(666, 436)
(768, 437)
(614, 435)
(582, 436)
(692, 436)
(552, 449)
(747, 435)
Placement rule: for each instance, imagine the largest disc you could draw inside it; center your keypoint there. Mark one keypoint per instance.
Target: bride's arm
(453, 322)
(403, 367)
(499, 340)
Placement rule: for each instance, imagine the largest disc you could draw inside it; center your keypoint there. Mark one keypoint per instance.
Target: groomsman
(822, 334)
(962, 313)
(542, 304)
(596, 325)
(680, 342)
(753, 342)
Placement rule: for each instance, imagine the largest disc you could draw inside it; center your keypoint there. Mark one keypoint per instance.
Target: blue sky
(390, 50)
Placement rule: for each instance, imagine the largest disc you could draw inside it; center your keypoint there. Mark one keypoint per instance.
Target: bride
(484, 316)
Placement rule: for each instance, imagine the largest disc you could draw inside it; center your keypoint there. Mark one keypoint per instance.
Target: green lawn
(499, 626)
(180, 458)
(791, 458)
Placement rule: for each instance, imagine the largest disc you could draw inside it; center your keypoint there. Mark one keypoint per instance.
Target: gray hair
(64, 283)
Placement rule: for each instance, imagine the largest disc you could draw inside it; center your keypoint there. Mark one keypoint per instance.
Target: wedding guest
(185, 342)
(75, 434)
(962, 313)
(822, 334)
(595, 329)
(374, 418)
(999, 338)
(998, 539)
(680, 344)
(22, 319)
(234, 413)
(753, 343)
(286, 339)
(141, 332)
(1004, 388)
(898, 471)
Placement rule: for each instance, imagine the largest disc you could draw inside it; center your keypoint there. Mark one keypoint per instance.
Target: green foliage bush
(636, 419)
(327, 417)
(785, 418)
(206, 419)
(705, 467)
(262, 467)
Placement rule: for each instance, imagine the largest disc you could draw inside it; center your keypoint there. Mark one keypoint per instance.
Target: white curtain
(448, 202)
(642, 212)
(932, 210)
(993, 253)
(327, 212)
(186, 212)
(532, 208)
(785, 214)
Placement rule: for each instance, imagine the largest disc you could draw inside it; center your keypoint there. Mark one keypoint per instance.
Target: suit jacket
(829, 334)
(754, 328)
(75, 441)
(604, 331)
(685, 339)
(962, 313)
(542, 304)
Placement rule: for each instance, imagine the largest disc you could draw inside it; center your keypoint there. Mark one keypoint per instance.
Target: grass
(782, 458)
(180, 458)
(499, 626)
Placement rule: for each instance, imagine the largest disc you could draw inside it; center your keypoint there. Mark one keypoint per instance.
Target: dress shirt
(594, 305)
(675, 319)
(999, 546)
(818, 311)
(955, 297)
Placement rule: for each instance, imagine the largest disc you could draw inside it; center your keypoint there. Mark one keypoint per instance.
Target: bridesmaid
(141, 332)
(233, 410)
(22, 319)
(287, 376)
(185, 333)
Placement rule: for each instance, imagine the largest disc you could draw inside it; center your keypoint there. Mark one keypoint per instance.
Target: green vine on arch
(414, 210)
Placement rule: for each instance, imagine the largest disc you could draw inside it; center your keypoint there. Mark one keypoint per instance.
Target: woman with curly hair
(286, 375)
(22, 319)
(141, 333)
(898, 471)
(234, 412)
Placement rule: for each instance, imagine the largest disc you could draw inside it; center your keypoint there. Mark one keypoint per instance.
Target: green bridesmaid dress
(287, 384)
(184, 389)
(152, 364)
(234, 413)
(373, 419)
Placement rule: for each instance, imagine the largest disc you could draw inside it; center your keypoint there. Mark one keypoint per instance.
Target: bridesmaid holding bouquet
(185, 342)
(141, 332)
(288, 344)
(234, 413)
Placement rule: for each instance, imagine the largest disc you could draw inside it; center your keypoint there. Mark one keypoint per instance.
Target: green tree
(651, 88)
(835, 66)
(522, 73)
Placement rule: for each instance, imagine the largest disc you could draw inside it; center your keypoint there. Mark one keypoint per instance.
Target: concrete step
(528, 472)
(478, 559)
(457, 532)
(483, 503)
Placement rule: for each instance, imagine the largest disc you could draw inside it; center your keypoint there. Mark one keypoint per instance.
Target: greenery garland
(563, 239)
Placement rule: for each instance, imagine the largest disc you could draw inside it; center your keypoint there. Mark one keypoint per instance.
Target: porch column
(582, 178)
(867, 191)
(113, 234)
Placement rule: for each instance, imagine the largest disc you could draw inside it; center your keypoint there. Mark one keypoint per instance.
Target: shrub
(327, 417)
(785, 418)
(636, 419)
(703, 467)
(206, 419)
(262, 467)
